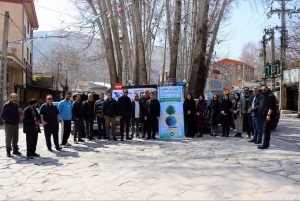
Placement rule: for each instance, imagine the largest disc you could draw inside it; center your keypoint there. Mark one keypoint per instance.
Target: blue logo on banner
(180, 84)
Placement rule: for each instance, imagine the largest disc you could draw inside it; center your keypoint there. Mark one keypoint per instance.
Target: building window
(239, 66)
(30, 59)
(7, 77)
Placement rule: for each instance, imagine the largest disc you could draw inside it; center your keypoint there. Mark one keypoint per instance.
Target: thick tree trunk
(140, 43)
(110, 48)
(175, 41)
(198, 78)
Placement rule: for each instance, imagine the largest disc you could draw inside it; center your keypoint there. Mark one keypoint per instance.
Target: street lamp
(184, 81)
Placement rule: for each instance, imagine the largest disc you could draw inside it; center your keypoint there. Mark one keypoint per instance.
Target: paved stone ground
(207, 168)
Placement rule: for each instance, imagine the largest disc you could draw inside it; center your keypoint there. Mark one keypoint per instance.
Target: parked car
(241, 92)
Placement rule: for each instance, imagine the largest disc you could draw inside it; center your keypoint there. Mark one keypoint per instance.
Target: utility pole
(164, 65)
(3, 64)
(273, 68)
(57, 77)
(264, 58)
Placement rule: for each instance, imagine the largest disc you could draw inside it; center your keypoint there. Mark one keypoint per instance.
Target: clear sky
(246, 24)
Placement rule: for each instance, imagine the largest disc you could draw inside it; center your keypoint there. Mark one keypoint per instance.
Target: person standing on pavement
(189, 107)
(31, 122)
(256, 121)
(124, 114)
(100, 117)
(226, 106)
(236, 114)
(110, 111)
(143, 100)
(151, 116)
(137, 114)
(245, 105)
(11, 118)
(267, 111)
(89, 108)
(50, 119)
(200, 115)
(214, 109)
(77, 112)
(65, 113)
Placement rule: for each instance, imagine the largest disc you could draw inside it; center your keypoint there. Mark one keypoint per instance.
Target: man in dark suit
(267, 111)
(31, 121)
(143, 100)
(152, 114)
(124, 113)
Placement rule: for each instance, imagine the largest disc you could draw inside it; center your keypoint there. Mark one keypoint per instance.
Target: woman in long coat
(189, 107)
(200, 115)
(236, 114)
(226, 115)
(214, 110)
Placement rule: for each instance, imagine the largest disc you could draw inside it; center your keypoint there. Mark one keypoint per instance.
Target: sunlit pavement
(205, 168)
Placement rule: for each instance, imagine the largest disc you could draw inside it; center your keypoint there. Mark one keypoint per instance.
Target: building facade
(235, 74)
(23, 20)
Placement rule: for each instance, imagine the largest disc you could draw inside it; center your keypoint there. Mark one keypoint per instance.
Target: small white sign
(5, 95)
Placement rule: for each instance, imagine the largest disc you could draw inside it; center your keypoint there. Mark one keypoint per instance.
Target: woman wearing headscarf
(214, 109)
(226, 106)
(236, 114)
(200, 115)
(189, 107)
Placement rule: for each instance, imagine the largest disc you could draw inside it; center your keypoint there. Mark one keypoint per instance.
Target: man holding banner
(152, 114)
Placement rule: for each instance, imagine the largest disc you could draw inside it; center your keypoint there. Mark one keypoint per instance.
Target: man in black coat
(143, 100)
(267, 112)
(31, 121)
(256, 121)
(137, 114)
(110, 111)
(124, 113)
(89, 116)
(152, 114)
(77, 112)
(11, 117)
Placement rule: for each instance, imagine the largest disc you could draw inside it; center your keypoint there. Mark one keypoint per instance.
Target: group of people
(255, 111)
(145, 110)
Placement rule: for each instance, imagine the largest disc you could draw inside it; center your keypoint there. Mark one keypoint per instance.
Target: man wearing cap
(31, 121)
(11, 117)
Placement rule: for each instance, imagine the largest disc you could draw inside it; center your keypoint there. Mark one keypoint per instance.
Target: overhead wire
(234, 51)
(24, 35)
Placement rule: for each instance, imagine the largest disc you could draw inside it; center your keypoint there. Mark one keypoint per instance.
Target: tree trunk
(110, 48)
(197, 79)
(113, 26)
(175, 41)
(215, 32)
(140, 43)
(125, 45)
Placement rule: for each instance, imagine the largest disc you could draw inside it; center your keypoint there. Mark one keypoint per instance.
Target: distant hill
(81, 41)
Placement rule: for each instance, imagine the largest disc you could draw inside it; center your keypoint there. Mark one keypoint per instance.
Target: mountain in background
(42, 48)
